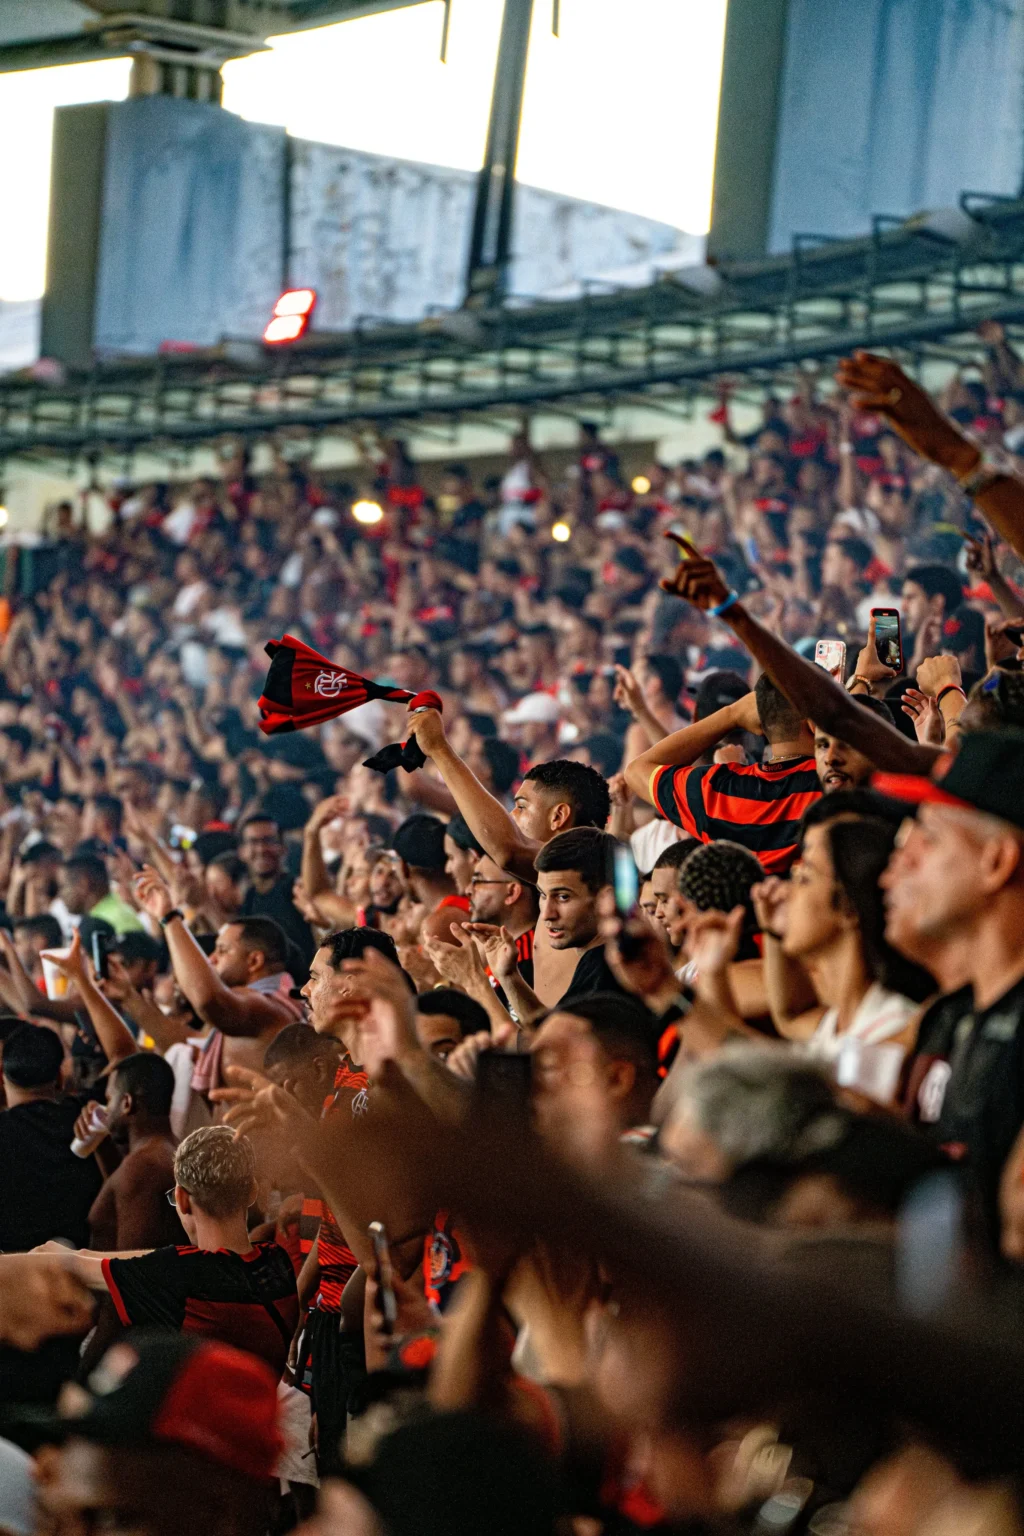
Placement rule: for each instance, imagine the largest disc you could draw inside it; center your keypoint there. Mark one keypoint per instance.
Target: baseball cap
(985, 775)
(157, 1389)
(419, 841)
(533, 709)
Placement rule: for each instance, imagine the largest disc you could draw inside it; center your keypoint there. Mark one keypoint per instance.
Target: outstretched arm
(877, 384)
(490, 823)
(234, 1011)
(810, 689)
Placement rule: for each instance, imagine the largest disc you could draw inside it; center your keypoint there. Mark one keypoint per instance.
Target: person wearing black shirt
(955, 886)
(270, 886)
(224, 1286)
(46, 1191)
(573, 868)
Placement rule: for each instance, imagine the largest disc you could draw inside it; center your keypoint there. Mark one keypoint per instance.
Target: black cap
(986, 775)
(419, 841)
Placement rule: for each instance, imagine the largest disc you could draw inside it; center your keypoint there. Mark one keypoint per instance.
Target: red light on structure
(292, 314)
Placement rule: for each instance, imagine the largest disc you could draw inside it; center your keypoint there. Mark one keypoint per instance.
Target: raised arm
(234, 1011)
(141, 1009)
(490, 823)
(810, 689)
(687, 746)
(629, 694)
(313, 872)
(113, 1034)
(23, 996)
(877, 384)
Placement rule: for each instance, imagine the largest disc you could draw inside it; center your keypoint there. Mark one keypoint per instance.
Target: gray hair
(758, 1101)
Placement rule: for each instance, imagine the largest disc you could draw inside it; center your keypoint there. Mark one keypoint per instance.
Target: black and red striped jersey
(244, 1299)
(337, 1261)
(756, 805)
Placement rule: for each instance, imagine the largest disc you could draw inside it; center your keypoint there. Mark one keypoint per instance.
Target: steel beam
(490, 247)
(663, 344)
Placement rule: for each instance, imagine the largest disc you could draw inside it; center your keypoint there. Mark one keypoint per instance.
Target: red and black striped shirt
(244, 1299)
(756, 805)
(337, 1261)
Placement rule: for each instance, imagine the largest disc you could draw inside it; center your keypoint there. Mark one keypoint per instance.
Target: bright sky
(621, 108)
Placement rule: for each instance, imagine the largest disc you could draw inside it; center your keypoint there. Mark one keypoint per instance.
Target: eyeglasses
(473, 880)
(169, 1197)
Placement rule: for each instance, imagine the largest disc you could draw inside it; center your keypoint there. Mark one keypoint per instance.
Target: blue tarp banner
(892, 106)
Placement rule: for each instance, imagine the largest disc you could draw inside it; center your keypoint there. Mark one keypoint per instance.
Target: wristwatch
(172, 914)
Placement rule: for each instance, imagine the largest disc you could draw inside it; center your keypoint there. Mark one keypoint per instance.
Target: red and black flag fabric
(303, 688)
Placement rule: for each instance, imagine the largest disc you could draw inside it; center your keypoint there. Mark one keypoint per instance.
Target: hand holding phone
(831, 655)
(100, 946)
(386, 1298)
(888, 637)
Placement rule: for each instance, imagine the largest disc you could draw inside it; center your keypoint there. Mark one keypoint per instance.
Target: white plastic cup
(85, 1146)
(54, 980)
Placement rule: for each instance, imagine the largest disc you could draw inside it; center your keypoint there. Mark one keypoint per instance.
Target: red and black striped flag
(303, 688)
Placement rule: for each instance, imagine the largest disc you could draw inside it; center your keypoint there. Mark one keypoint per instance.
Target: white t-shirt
(880, 1016)
(189, 1111)
(649, 842)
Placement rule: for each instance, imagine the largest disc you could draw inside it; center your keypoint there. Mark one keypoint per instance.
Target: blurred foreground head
(171, 1437)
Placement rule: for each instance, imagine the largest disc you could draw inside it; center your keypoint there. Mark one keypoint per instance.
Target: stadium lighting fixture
(561, 532)
(4, 514)
(641, 485)
(367, 512)
(292, 314)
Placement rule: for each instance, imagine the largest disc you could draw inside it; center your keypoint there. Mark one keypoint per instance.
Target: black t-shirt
(45, 1191)
(277, 903)
(244, 1299)
(592, 974)
(966, 1085)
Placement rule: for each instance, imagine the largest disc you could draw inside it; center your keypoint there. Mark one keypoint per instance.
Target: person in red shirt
(758, 805)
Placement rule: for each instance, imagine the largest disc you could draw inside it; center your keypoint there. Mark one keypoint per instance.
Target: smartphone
(831, 654)
(101, 944)
(505, 1078)
(888, 637)
(386, 1298)
(626, 881)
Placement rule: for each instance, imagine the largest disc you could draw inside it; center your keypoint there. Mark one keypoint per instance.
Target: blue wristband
(724, 605)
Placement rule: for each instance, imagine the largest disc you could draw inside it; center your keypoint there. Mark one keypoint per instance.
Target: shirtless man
(131, 1210)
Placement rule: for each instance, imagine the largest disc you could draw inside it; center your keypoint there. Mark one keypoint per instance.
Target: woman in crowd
(829, 922)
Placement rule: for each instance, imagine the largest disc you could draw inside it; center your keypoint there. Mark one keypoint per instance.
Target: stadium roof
(921, 286)
(37, 33)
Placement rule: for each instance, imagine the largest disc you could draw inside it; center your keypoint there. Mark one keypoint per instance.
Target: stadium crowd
(615, 1123)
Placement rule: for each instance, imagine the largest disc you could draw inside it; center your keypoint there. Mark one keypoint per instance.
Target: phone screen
(888, 641)
(626, 881)
(100, 954)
